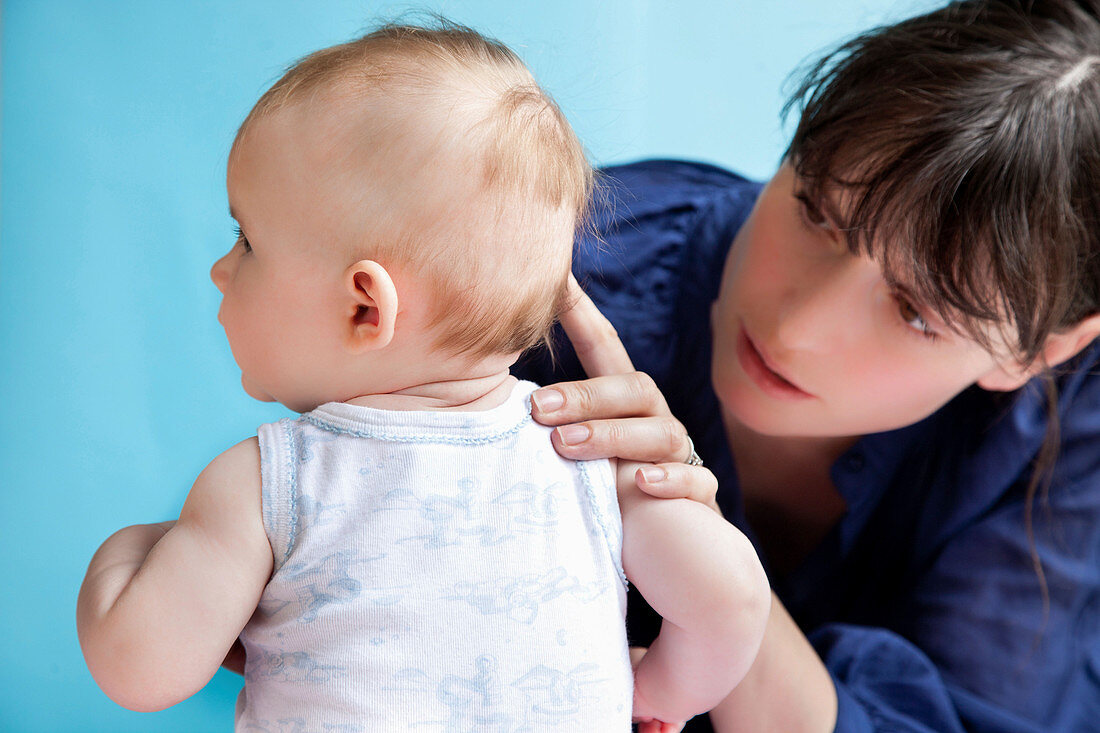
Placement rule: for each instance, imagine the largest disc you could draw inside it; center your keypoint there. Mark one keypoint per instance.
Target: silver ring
(693, 459)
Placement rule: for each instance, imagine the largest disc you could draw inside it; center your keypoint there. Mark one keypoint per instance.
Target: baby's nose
(219, 273)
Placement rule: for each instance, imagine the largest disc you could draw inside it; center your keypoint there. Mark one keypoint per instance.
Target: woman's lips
(767, 379)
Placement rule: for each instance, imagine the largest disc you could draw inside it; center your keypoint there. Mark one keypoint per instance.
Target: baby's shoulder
(226, 495)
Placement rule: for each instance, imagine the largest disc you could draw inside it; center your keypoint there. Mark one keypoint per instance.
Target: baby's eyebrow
(233, 214)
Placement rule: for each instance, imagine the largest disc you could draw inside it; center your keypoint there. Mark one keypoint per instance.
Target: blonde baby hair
(496, 253)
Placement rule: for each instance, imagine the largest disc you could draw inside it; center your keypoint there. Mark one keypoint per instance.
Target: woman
(892, 373)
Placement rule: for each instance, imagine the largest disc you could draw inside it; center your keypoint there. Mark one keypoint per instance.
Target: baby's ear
(372, 307)
(1059, 347)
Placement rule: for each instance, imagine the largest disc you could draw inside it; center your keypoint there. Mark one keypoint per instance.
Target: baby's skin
(162, 604)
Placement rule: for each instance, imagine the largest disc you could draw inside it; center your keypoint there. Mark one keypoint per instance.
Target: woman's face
(811, 340)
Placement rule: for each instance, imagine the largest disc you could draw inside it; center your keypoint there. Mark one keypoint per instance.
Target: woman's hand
(618, 412)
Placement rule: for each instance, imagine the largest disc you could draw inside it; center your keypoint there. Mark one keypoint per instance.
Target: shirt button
(854, 462)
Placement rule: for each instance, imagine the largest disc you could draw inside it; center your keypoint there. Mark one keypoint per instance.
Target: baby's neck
(472, 394)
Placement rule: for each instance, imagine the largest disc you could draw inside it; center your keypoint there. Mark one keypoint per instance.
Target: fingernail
(573, 434)
(547, 400)
(653, 474)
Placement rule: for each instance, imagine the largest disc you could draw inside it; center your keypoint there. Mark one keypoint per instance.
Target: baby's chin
(253, 391)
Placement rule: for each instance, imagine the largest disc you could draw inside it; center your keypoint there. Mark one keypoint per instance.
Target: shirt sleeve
(883, 682)
(973, 643)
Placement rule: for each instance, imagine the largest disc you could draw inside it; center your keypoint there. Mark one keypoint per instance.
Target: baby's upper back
(437, 567)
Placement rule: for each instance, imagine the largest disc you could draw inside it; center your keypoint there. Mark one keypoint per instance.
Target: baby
(411, 551)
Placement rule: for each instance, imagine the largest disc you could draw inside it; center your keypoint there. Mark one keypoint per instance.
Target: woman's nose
(824, 309)
(219, 273)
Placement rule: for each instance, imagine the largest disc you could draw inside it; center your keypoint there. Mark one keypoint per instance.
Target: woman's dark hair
(968, 141)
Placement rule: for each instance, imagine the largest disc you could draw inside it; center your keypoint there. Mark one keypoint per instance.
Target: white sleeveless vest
(436, 571)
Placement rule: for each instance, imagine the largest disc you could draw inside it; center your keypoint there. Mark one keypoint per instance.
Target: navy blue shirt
(923, 601)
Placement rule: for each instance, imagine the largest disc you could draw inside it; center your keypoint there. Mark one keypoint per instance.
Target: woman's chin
(768, 417)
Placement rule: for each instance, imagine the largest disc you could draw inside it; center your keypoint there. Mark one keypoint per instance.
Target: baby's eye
(241, 239)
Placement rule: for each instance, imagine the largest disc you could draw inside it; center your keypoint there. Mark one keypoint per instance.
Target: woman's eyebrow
(901, 289)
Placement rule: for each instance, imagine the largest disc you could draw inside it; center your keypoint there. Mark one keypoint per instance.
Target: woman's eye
(913, 318)
(810, 212)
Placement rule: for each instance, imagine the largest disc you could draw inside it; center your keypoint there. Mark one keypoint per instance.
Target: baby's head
(413, 189)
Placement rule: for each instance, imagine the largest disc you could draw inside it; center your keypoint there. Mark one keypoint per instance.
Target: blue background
(116, 381)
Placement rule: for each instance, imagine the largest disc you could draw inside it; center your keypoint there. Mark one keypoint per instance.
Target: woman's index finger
(593, 337)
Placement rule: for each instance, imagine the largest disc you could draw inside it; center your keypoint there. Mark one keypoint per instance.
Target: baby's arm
(703, 577)
(161, 604)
